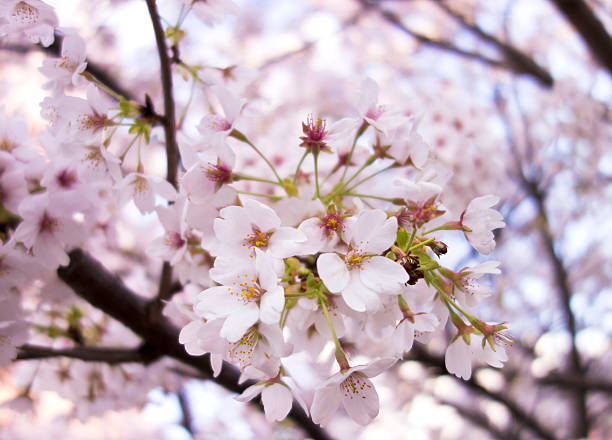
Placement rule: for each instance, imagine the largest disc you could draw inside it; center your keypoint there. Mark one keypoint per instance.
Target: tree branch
(515, 59)
(478, 419)
(143, 354)
(531, 186)
(590, 28)
(172, 155)
(519, 415)
(96, 285)
(166, 79)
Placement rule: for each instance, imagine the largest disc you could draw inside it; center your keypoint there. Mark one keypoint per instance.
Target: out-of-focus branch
(520, 416)
(518, 63)
(172, 155)
(590, 28)
(514, 58)
(478, 419)
(580, 382)
(531, 186)
(187, 419)
(96, 285)
(143, 354)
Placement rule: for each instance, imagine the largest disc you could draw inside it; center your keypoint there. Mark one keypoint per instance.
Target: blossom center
(6, 145)
(241, 352)
(257, 239)
(92, 122)
(219, 173)
(174, 240)
(66, 178)
(375, 112)
(355, 386)
(24, 13)
(355, 259)
(332, 223)
(47, 223)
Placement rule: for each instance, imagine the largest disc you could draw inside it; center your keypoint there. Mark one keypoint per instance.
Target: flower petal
(360, 398)
(325, 403)
(277, 401)
(333, 272)
(383, 275)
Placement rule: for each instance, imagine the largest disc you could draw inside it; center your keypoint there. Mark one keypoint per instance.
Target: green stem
(299, 165)
(362, 128)
(89, 77)
(412, 237)
(339, 350)
(125, 151)
(241, 137)
(316, 170)
(365, 179)
(255, 179)
(420, 244)
(363, 167)
(368, 196)
(270, 196)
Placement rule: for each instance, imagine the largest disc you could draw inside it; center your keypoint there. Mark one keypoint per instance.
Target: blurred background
(514, 97)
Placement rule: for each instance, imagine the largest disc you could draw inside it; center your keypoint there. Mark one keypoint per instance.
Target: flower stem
(315, 156)
(368, 196)
(362, 128)
(299, 165)
(420, 244)
(340, 356)
(241, 137)
(365, 179)
(255, 179)
(270, 196)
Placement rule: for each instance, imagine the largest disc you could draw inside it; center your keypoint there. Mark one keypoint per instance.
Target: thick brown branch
(590, 28)
(96, 285)
(142, 354)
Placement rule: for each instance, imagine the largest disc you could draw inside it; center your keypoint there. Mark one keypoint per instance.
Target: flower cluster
(343, 250)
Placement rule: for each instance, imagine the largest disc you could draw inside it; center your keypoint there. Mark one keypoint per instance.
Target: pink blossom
(353, 388)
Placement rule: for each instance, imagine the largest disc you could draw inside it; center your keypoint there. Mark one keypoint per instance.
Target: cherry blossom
(480, 220)
(354, 389)
(361, 275)
(34, 18)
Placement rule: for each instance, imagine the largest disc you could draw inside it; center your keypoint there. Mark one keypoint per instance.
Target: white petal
(250, 393)
(373, 232)
(333, 272)
(216, 302)
(458, 359)
(383, 275)
(277, 401)
(272, 303)
(359, 297)
(360, 399)
(261, 215)
(325, 404)
(236, 324)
